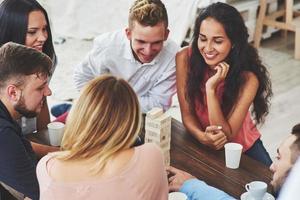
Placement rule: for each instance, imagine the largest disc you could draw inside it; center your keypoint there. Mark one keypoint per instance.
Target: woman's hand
(214, 137)
(222, 70)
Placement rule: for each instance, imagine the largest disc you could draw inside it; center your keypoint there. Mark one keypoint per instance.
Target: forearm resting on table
(42, 150)
(216, 116)
(196, 189)
(194, 128)
(212, 136)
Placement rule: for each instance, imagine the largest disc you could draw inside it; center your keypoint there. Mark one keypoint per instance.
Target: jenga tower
(158, 131)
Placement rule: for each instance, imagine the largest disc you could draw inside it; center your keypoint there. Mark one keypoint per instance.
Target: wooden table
(41, 137)
(204, 163)
(209, 165)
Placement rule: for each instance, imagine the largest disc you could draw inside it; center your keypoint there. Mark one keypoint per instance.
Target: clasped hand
(214, 137)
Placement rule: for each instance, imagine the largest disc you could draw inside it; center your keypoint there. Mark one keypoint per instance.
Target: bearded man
(24, 87)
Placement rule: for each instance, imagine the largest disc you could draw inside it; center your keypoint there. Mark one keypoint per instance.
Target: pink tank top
(248, 133)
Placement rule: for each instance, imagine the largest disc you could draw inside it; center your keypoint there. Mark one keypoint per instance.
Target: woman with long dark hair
(221, 82)
(26, 22)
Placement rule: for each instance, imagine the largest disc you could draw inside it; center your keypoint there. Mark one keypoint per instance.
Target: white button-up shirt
(154, 82)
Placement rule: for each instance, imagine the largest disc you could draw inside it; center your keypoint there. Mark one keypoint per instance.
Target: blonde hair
(148, 13)
(105, 120)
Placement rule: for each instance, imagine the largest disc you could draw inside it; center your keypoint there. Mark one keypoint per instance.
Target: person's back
(133, 174)
(97, 160)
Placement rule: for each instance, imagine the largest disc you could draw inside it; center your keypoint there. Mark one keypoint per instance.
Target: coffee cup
(56, 132)
(177, 196)
(256, 189)
(233, 153)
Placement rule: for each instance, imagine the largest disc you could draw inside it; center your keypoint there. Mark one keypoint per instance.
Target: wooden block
(159, 122)
(167, 158)
(159, 135)
(165, 118)
(151, 140)
(156, 139)
(152, 134)
(162, 133)
(165, 132)
(154, 113)
(166, 145)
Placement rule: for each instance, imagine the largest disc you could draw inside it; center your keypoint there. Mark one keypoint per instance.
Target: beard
(21, 108)
(277, 184)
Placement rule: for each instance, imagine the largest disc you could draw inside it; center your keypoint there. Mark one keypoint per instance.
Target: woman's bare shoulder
(250, 77)
(182, 57)
(250, 80)
(183, 52)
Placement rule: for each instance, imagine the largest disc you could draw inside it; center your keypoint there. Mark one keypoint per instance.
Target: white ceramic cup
(233, 153)
(56, 132)
(256, 189)
(177, 196)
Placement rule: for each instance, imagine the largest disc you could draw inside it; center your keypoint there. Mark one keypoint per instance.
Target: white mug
(56, 132)
(177, 196)
(257, 189)
(233, 153)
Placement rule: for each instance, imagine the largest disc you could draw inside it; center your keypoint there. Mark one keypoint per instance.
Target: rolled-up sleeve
(199, 190)
(91, 65)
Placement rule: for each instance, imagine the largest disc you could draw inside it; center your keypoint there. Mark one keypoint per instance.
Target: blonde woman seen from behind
(97, 160)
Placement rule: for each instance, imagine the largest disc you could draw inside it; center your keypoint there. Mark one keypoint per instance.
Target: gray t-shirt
(28, 125)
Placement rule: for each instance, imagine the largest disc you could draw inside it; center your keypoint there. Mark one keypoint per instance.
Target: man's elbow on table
(42, 150)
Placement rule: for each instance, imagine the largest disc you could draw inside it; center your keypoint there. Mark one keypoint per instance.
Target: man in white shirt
(291, 188)
(287, 155)
(140, 54)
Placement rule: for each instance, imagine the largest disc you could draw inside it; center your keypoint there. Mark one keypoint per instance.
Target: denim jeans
(259, 153)
(138, 142)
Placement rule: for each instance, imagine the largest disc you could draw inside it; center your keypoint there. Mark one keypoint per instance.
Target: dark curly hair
(242, 57)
